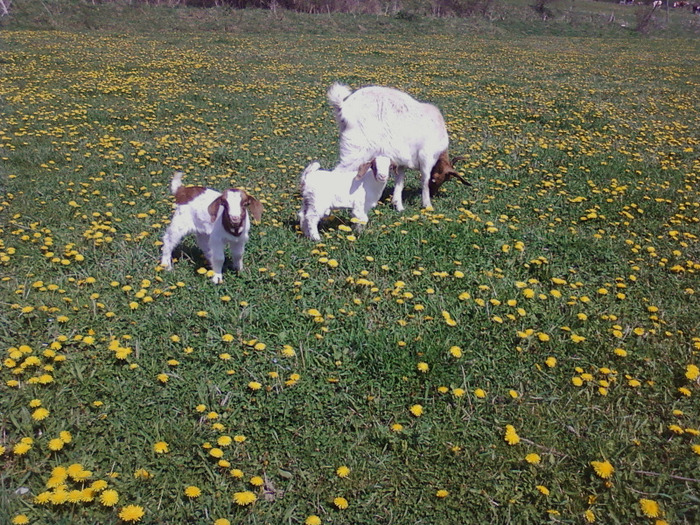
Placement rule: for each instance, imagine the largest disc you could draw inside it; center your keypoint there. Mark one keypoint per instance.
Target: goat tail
(176, 182)
(337, 94)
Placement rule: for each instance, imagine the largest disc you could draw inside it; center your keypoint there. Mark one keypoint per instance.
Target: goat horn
(460, 179)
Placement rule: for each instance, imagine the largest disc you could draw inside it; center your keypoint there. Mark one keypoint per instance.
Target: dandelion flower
(142, 474)
(589, 516)
(40, 414)
(649, 508)
(480, 393)
(192, 491)
(244, 498)
(254, 385)
(533, 459)
(343, 471)
(222, 521)
(551, 362)
(603, 469)
(161, 447)
(692, 372)
(56, 444)
(131, 513)
(312, 520)
(21, 448)
(423, 367)
(543, 490)
(396, 427)
(511, 436)
(257, 481)
(442, 493)
(416, 410)
(341, 503)
(109, 498)
(456, 352)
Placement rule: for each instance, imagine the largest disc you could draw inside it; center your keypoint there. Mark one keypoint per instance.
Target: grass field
(526, 352)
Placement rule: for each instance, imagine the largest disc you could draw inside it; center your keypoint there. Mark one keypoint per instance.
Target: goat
(381, 121)
(323, 190)
(215, 218)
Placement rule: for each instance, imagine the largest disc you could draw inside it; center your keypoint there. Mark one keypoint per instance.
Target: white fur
(323, 190)
(212, 237)
(378, 120)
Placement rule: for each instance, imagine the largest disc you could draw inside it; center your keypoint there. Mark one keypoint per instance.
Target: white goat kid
(215, 218)
(376, 120)
(323, 190)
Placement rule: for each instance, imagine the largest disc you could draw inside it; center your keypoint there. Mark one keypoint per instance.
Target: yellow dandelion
(109, 498)
(142, 473)
(161, 447)
(416, 410)
(340, 503)
(533, 458)
(312, 520)
(442, 493)
(131, 513)
(511, 436)
(192, 491)
(244, 498)
(56, 444)
(603, 469)
(343, 471)
(257, 481)
(40, 414)
(650, 508)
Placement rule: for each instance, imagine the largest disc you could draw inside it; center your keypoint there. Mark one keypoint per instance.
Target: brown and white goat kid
(215, 218)
(381, 121)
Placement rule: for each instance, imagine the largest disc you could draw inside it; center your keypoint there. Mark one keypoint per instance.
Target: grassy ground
(544, 318)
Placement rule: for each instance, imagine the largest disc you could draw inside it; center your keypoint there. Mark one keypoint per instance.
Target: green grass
(583, 159)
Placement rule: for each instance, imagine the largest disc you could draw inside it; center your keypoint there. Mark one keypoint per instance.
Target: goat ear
(363, 169)
(214, 207)
(254, 206)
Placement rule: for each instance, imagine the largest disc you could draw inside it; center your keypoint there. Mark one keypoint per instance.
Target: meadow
(525, 352)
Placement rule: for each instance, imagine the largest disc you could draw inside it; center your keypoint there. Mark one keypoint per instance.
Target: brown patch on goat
(254, 205)
(442, 172)
(185, 194)
(213, 208)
